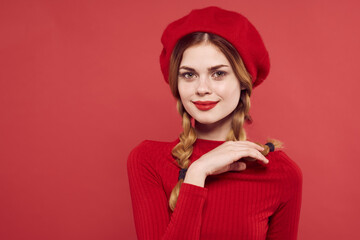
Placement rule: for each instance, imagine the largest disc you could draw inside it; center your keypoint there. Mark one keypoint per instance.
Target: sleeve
(283, 224)
(152, 215)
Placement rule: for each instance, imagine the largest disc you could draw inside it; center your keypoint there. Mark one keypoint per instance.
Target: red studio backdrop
(80, 86)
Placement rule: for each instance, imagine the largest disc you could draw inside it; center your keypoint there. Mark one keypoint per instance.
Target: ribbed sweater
(261, 202)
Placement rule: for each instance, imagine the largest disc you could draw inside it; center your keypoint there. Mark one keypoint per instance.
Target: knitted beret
(230, 25)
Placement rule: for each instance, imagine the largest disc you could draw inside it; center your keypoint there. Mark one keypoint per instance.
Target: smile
(206, 105)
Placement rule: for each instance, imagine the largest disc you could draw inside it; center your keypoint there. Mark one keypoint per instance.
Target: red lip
(205, 105)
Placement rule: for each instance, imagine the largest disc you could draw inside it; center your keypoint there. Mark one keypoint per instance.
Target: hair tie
(271, 146)
(182, 173)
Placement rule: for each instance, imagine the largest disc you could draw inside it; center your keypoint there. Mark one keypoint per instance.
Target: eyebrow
(209, 69)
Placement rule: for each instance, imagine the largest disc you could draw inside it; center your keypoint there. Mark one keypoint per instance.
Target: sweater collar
(202, 146)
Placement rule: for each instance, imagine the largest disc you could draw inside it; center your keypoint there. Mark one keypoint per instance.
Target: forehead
(203, 55)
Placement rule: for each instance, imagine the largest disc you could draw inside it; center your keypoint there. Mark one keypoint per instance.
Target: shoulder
(147, 147)
(287, 168)
(284, 162)
(150, 149)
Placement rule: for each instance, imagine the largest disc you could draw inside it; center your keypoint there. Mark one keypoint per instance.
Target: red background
(80, 86)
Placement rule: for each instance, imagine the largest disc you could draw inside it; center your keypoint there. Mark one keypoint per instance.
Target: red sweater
(261, 202)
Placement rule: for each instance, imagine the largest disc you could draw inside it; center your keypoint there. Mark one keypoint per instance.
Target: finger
(237, 166)
(251, 144)
(249, 159)
(253, 153)
(241, 166)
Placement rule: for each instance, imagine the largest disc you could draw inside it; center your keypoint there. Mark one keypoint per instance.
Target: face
(208, 88)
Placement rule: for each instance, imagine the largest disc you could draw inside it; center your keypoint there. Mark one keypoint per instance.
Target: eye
(187, 75)
(219, 74)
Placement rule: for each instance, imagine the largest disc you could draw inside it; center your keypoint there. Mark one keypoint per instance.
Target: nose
(203, 87)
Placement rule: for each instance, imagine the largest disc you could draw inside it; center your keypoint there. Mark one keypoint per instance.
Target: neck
(217, 131)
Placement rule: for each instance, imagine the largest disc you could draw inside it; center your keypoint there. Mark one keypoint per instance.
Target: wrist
(195, 175)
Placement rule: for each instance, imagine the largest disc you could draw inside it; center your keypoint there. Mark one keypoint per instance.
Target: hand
(225, 157)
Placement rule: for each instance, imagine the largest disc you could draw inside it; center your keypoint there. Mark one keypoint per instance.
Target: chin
(207, 121)
(212, 119)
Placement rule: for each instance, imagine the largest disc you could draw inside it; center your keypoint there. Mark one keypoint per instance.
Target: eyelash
(221, 75)
(183, 75)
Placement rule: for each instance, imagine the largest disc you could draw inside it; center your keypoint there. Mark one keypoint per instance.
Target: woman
(212, 183)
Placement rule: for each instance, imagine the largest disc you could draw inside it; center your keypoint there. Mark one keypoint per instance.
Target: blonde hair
(183, 150)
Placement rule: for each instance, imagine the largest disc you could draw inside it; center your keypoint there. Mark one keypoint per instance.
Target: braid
(182, 151)
(238, 133)
(277, 144)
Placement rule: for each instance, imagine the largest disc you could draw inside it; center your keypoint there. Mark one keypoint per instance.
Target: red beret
(230, 25)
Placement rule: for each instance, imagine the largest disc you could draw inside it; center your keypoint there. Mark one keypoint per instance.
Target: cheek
(235, 99)
(232, 93)
(184, 91)
(229, 91)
